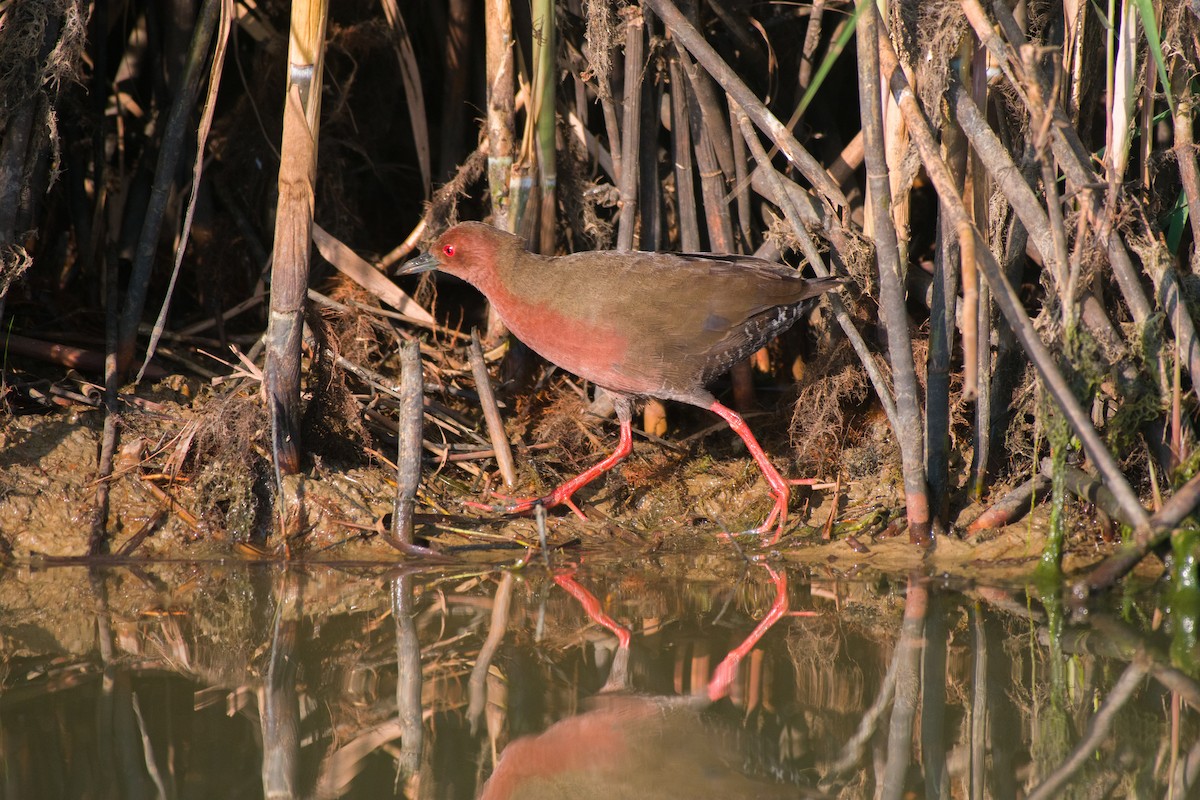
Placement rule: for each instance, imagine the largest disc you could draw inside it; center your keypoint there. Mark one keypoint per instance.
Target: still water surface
(634, 679)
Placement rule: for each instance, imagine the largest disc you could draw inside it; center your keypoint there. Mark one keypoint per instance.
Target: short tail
(818, 286)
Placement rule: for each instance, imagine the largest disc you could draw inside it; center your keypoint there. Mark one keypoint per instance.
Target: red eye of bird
(448, 250)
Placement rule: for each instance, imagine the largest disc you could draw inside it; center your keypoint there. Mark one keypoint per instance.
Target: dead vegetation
(1072, 184)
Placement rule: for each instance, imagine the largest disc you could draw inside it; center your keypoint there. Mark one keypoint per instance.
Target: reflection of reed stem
(408, 676)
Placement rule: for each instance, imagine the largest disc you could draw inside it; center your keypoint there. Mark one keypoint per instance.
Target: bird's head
(472, 251)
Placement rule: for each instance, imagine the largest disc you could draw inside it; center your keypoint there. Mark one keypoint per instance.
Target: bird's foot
(778, 514)
(519, 505)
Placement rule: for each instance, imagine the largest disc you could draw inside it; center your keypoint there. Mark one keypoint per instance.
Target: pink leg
(564, 492)
(779, 486)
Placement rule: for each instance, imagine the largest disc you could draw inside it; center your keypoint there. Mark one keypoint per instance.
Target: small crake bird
(637, 324)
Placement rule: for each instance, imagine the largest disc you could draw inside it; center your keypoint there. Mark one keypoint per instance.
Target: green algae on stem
(1184, 600)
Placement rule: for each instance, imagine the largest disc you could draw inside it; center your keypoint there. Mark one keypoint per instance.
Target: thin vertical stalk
(712, 181)
(649, 182)
(1120, 128)
(942, 317)
(982, 356)
(501, 124)
(293, 228)
(454, 86)
(491, 412)
(631, 124)
(413, 93)
(685, 184)
(544, 85)
(891, 289)
(1149, 89)
(741, 183)
(1185, 151)
(908, 669)
(812, 38)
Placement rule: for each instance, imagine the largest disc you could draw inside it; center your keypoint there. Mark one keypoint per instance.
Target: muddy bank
(174, 497)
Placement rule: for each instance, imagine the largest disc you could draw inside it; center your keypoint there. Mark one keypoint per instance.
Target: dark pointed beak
(420, 264)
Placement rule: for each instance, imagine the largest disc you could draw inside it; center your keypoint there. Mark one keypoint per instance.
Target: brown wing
(686, 318)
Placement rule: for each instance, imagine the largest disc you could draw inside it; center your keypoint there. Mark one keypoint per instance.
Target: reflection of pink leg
(562, 495)
(592, 606)
(726, 671)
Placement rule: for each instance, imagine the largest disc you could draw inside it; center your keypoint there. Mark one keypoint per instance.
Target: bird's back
(655, 324)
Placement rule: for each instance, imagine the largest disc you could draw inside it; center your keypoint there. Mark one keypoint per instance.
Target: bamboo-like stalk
(500, 107)
(1006, 296)
(293, 228)
(896, 148)
(544, 91)
(1185, 151)
(178, 120)
(1074, 25)
(501, 124)
(891, 288)
(687, 36)
(650, 235)
(635, 43)
(1120, 122)
(969, 280)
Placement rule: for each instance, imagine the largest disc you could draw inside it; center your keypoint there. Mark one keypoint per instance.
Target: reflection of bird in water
(639, 746)
(630, 747)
